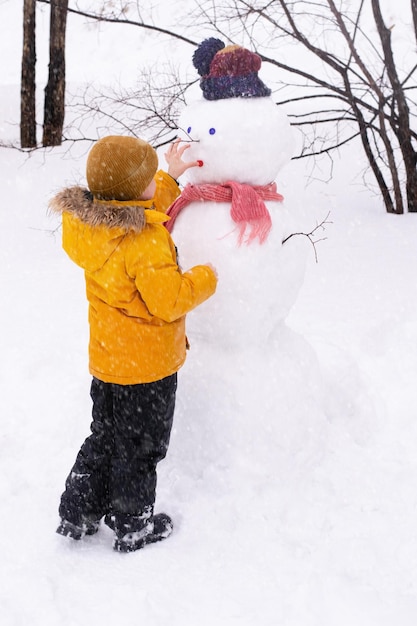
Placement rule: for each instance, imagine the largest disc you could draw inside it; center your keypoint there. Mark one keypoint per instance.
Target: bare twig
(311, 235)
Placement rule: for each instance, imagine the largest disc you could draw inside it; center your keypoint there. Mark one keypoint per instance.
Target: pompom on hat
(120, 168)
(228, 71)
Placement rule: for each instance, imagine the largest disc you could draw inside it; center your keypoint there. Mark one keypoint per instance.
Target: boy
(138, 298)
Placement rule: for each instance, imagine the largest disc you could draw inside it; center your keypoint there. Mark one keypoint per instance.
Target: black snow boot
(135, 532)
(68, 529)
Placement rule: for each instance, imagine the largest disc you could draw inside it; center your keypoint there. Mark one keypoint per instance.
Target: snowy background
(331, 540)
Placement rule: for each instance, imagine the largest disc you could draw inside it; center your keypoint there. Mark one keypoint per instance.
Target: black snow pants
(115, 470)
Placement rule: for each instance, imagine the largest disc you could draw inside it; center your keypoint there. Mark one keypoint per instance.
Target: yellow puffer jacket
(137, 294)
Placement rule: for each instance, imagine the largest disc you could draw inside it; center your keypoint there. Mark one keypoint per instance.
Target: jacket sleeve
(167, 292)
(167, 190)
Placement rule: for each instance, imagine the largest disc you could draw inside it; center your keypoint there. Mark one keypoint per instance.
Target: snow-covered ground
(327, 541)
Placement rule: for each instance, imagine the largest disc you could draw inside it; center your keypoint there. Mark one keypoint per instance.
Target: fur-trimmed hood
(79, 202)
(91, 230)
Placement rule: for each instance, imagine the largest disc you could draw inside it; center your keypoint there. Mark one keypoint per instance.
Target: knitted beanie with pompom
(228, 71)
(120, 168)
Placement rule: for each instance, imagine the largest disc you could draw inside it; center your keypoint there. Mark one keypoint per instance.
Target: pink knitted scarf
(247, 206)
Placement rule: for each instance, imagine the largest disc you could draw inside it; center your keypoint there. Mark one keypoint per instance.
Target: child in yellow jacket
(138, 298)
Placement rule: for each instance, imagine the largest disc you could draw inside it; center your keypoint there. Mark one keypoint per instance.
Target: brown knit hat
(120, 168)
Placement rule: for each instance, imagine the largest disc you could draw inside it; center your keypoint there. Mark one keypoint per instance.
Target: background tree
(54, 108)
(343, 84)
(28, 81)
(400, 119)
(347, 85)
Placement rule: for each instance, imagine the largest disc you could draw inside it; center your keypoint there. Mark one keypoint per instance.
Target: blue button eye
(212, 131)
(189, 129)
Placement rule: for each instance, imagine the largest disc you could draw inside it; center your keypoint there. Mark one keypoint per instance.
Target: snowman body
(248, 374)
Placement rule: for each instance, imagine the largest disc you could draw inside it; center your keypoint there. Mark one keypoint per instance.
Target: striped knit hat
(228, 72)
(120, 168)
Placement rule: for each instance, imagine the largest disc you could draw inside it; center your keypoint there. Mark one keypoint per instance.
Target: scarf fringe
(258, 229)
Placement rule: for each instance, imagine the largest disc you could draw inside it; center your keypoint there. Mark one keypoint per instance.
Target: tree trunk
(28, 83)
(54, 110)
(385, 191)
(402, 126)
(393, 205)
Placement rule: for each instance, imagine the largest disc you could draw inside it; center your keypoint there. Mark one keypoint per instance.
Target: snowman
(246, 369)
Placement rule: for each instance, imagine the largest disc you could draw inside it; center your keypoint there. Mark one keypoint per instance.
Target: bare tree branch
(119, 20)
(311, 236)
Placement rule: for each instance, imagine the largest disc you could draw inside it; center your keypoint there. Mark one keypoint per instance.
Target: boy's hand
(176, 166)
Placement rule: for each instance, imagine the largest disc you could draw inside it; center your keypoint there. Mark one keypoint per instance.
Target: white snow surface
(293, 489)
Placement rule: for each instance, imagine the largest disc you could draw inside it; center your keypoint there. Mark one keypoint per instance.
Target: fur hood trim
(80, 202)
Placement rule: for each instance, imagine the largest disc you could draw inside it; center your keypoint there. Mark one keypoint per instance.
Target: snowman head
(236, 130)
